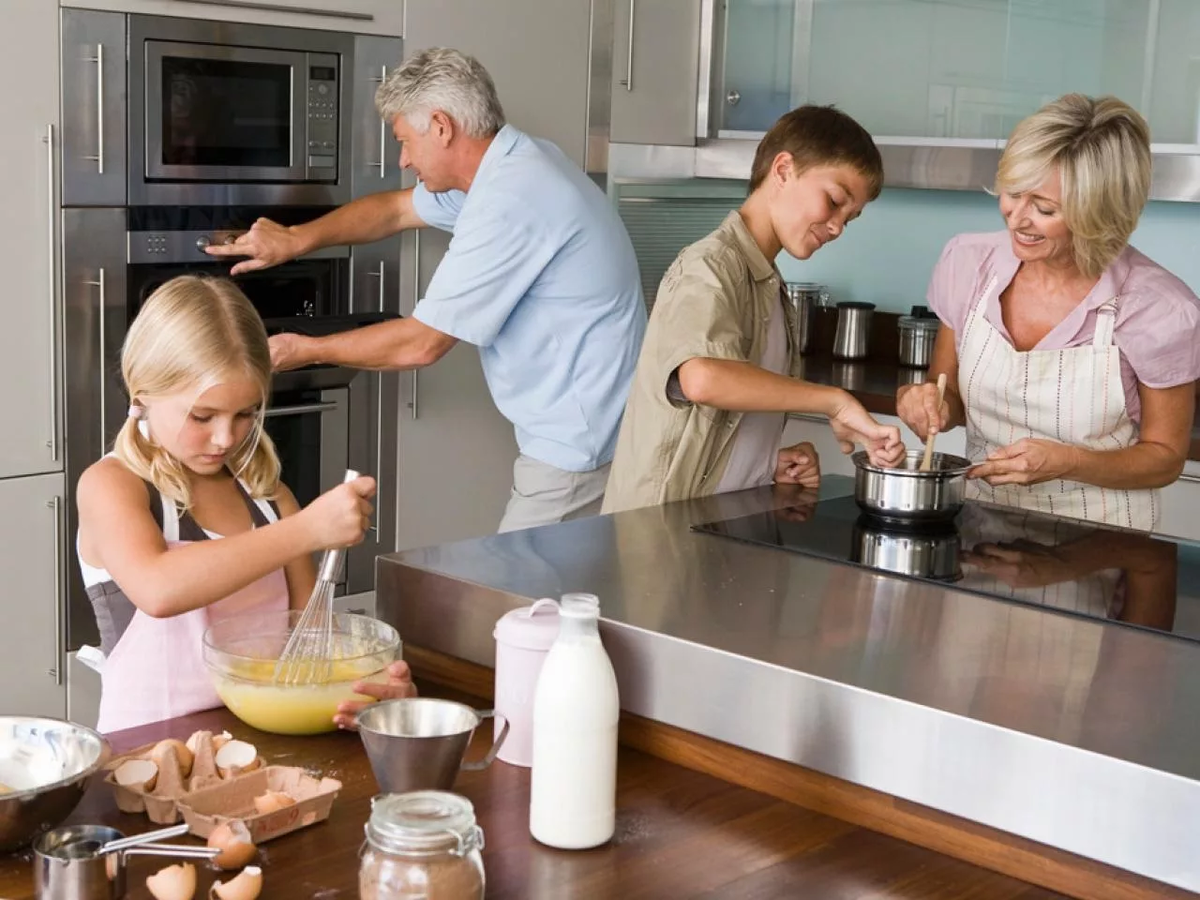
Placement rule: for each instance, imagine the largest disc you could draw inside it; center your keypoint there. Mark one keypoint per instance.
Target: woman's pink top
(1158, 316)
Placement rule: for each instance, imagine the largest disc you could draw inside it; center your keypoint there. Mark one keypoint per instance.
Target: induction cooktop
(1065, 565)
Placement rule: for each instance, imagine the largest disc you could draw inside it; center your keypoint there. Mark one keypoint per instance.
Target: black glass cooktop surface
(1063, 564)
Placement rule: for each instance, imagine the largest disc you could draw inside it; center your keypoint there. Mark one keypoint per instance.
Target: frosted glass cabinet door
(957, 70)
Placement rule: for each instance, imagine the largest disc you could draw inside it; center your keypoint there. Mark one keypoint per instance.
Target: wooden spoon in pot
(927, 461)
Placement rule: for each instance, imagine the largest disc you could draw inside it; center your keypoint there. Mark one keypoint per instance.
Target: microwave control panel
(322, 116)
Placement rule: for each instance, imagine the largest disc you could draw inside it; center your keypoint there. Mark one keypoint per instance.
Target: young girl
(190, 465)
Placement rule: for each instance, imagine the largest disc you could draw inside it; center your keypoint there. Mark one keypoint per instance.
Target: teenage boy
(712, 387)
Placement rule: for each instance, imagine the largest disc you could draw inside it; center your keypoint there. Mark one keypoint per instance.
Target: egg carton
(235, 799)
(179, 769)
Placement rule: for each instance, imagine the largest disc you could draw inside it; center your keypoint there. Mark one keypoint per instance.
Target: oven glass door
(224, 113)
(310, 430)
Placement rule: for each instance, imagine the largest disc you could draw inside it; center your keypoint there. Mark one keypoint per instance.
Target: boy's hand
(798, 464)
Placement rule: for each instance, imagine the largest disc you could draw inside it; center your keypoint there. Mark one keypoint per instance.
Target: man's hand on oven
(266, 244)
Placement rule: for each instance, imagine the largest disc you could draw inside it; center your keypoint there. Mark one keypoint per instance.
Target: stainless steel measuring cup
(74, 862)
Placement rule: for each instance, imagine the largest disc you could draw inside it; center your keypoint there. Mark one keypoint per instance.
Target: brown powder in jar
(386, 877)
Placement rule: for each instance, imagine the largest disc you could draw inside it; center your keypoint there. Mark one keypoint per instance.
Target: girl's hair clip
(136, 411)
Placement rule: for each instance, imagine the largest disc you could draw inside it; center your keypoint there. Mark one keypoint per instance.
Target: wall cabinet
(957, 71)
(358, 16)
(536, 53)
(656, 46)
(29, 359)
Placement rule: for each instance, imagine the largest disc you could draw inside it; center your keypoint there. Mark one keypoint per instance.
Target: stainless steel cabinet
(94, 292)
(656, 45)
(32, 565)
(93, 140)
(455, 449)
(535, 51)
(29, 358)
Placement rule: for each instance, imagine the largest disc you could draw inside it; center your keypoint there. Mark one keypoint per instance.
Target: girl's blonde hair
(1101, 148)
(189, 334)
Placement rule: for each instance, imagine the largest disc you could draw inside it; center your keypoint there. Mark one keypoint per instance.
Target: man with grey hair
(540, 275)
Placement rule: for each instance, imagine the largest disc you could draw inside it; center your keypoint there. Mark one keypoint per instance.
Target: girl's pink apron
(156, 670)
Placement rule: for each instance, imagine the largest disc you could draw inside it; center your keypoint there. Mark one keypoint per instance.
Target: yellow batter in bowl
(241, 653)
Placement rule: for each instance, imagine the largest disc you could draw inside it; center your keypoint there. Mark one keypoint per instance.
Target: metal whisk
(307, 657)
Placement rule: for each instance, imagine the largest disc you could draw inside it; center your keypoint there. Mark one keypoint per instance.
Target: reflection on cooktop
(1062, 564)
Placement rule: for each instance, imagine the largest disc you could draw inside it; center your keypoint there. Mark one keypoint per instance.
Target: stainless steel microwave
(222, 106)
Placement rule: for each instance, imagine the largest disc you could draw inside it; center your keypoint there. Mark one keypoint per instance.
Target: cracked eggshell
(177, 882)
(236, 757)
(270, 801)
(139, 774)
(232, 838)
(246, 886)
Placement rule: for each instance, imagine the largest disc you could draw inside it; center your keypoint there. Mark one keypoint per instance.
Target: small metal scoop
(87, 862)
(86, 847)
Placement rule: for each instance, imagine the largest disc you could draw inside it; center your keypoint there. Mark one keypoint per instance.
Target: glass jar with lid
(423, 844)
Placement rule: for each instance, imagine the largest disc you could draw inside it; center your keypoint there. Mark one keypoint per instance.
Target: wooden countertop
(680, 833)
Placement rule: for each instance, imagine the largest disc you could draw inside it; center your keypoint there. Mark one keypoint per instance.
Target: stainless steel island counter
(1071, 732)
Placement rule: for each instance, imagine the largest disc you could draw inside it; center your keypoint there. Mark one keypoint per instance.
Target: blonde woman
(1071, 357)
(192, 464)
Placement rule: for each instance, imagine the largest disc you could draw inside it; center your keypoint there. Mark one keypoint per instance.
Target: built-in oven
(322, 419)
(215, 104)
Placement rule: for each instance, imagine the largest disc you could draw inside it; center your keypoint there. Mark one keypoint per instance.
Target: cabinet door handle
(379, 273)
(374, 528)
(99, 283)
(628, 80)
(1187, 476)
(382, 164)
(412, 404)
(279, 7)
(52, 251)
(55, 503)
(98, 59)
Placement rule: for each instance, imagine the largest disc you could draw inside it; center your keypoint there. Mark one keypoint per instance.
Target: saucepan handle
(496, 744)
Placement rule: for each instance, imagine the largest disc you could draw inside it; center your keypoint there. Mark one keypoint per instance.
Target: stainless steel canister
(853, 327)
(805, 297)
(916, 341)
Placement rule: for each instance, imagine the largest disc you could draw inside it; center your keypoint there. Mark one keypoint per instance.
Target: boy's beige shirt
(715, 301)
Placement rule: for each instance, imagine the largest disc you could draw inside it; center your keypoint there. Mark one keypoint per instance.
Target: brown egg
(232, 838)
(176, 882)
(271, 801)
(160, 754)
(246, 886)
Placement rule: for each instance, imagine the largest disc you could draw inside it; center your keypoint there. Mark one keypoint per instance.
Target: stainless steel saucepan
(909, 494)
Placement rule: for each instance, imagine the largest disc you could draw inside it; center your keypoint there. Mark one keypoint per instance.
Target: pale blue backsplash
(886, 255)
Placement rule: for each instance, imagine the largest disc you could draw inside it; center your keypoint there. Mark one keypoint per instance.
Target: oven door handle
(301, 409)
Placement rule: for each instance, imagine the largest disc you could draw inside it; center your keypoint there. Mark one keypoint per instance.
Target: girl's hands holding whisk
(340, 517)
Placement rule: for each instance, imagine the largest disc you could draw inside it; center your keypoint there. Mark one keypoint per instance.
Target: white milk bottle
(575, 710)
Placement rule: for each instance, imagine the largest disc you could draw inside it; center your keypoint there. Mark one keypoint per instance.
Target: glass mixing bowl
(241, 652)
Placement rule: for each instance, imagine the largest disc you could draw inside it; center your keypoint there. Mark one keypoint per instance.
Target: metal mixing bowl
(46, 763)
(906, 493)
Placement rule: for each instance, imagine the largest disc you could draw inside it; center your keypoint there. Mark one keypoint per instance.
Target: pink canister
(523, 638)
